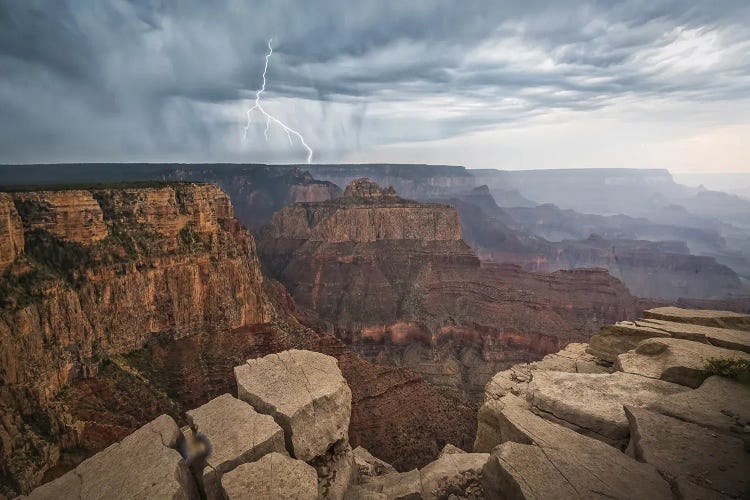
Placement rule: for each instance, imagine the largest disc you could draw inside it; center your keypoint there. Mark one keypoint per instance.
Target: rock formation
(673, 423)
(100, 336)
(394, 278)
(296, 397)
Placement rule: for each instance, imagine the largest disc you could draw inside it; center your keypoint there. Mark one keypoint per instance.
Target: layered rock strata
(394, 278)
(102, 272)
(551, 427)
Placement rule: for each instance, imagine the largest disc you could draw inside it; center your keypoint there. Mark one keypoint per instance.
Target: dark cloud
(136, 80)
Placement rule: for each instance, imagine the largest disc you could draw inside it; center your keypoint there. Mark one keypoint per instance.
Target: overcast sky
(535, 84)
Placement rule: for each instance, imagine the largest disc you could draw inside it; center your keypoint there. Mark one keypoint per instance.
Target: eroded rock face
(273, 476)
(103, 272)
(305, 393)
(11, 231)
(395, 279)
(235, 434)
(721, 319)
(146, 464)
(369, 465)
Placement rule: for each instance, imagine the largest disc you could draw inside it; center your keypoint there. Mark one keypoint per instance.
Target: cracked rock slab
(273, 476)
(143, 465)
(592, 403)
(682, 450)
(305, 393)
(719, 403)
(705, 317)
(236, 434)
(727, 338)
(613, 340)
(543, 460)
(674, 360)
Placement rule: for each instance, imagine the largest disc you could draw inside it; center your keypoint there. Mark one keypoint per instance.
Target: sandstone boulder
(551, 461)
(452, 473)
(369, 465)
(706, 317)
(719, 403)
(235, 434)
(305, 393)
(592, 403)
(396, 486)
(613, 340)
(683, 450)
(273, 476)
(145, 464)
(491, 425)
(674, 360)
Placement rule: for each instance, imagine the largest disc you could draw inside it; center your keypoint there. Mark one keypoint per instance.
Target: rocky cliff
(656, 408)
(122, 303)
(394, 278)
(101, 272)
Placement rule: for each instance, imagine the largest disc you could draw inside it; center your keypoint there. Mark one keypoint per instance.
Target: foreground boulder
(681, 450)
(235, 434)
(674, 360)
(305, 393)
(146, 464)
(369, 465)
(453, 473)
(592, 403)
(540, 459)
(273, 476)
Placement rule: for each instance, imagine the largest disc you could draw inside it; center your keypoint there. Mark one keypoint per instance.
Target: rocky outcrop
(102, 273)
(242, 454)
(305, 393)
(11, 232)
(394, 278)
(235, 434)
(72, 215)
(720, 319)
(146, 464)
(555, 429)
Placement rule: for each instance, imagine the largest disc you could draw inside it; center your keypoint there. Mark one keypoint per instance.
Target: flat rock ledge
(663, 422)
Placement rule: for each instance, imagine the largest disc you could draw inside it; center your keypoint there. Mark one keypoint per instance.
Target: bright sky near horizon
(501, 84)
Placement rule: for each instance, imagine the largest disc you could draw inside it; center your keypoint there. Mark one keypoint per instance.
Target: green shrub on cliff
(734, 368)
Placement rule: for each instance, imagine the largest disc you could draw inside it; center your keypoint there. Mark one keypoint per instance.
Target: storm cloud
(369, 80)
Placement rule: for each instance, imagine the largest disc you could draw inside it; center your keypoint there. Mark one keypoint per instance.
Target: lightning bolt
(270, 118)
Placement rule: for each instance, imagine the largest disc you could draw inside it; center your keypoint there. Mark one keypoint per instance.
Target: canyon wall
(102, 272)
(396, 281)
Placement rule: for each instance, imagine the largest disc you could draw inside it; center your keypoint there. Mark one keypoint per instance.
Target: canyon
(394, 279)
(102, 285)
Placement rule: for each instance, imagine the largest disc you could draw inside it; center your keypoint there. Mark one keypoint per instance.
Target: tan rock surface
(396, 486)
(143, 465)
(592, 403)
(706, 317)
(273, 476)
(586, 468)
(719, 403)
(727, 338)
(674, 360)
(236, 434)
(683, 450)
(305, 393)
(613, 340)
